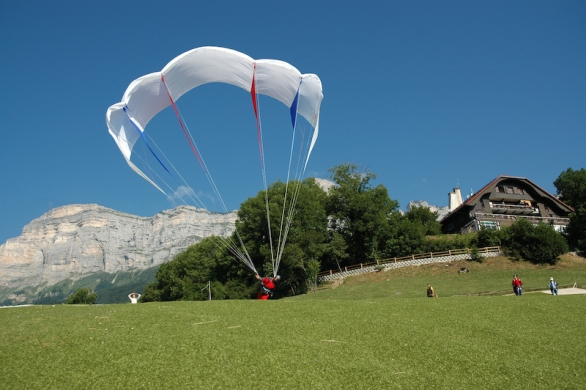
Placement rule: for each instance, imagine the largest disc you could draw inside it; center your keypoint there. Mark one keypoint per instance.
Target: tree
(488, 237)
(336, 253)
(305, 240)
(571, 188)
(83, 296)
(538, 244)
(187, 275)
(405, 236)
(426, 218)
(359, 212)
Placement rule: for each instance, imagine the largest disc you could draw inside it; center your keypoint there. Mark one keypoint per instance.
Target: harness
(265, 290)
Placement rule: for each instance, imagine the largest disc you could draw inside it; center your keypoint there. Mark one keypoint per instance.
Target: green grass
(462, 342)
(356, 336)
(492, 277)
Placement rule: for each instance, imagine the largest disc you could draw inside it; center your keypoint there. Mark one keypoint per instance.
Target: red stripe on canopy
(183, 126)
(255, 106)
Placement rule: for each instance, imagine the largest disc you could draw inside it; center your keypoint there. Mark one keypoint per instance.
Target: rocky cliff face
(441, 211)
(75, 240)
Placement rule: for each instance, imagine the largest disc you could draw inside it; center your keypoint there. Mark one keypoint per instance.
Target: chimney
(454, 199)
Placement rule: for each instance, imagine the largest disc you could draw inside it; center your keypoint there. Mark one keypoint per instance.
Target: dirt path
(567, 291)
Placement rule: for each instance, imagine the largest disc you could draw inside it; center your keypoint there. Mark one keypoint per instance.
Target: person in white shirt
(553, 286)
(134, 297)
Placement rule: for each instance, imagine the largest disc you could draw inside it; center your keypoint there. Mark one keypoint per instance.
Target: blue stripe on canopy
(294, 109)
(146, 143)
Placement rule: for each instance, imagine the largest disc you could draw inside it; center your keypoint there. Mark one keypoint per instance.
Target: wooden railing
(513, 207)
(452, 252)
(555, 220)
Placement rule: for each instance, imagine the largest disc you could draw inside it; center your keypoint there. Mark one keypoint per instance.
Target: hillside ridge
(70, 241)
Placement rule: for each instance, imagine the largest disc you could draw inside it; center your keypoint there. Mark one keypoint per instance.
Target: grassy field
(319, 341)
(491, 277)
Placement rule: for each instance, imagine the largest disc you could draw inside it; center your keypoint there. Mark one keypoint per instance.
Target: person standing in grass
(517, 285)
(430, 291)
(134, 298)
(267, 285)
(553, 286)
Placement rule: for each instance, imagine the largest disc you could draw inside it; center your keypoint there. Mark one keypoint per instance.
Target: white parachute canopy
(148, 95)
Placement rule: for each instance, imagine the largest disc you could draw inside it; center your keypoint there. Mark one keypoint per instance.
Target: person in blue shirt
(553, 286)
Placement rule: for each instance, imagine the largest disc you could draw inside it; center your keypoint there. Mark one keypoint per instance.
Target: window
(491, 225)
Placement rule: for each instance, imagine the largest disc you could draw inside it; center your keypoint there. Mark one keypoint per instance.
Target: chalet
(500, 203)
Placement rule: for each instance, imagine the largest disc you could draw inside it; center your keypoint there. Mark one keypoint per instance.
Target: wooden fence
(429, 255)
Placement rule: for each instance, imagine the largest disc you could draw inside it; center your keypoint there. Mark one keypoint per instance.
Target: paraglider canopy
(148, 95)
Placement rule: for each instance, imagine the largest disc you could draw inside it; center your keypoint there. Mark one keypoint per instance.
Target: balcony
(549, 220)
(515, 209)
(506, 197)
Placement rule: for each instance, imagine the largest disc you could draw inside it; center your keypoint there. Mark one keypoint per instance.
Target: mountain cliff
(441, 211)
(72, 241)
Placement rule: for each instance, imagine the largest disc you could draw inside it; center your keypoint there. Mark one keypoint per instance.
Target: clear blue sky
(425, 94)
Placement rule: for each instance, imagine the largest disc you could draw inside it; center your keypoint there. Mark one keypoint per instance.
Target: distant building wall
(501, 202)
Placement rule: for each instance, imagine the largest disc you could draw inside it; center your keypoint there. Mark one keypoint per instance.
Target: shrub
(83, 296)
(488, 237)
(548, 245)
(443, 243)
(312, 268)
(151, 293)
(407, 238)
(475, 255)
(538, 244)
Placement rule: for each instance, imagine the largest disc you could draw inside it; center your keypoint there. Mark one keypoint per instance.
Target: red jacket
(268, 283)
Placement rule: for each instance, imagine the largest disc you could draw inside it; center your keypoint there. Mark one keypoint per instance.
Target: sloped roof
(471, 200)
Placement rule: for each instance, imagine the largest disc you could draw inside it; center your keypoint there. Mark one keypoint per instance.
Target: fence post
(431, 254)
(346, 269)
(376, 261)
(331, 272)
(412, 257)
(360, 265)
(395, 259)
(450, 252)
